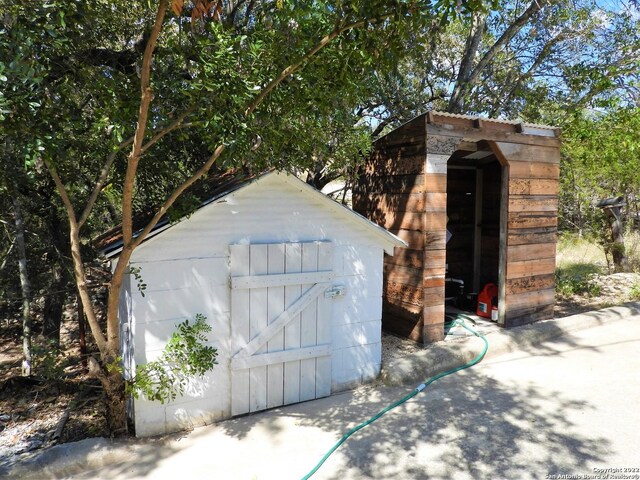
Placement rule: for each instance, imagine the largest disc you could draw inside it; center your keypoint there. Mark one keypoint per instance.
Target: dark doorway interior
(474, 185)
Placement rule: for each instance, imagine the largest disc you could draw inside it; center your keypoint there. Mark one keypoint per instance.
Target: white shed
(291, 283)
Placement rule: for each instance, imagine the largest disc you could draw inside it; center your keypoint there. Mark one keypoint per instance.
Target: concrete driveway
(568, 406)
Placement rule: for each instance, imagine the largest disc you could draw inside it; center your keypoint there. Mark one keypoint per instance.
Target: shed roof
(484, 123)
(227, 183)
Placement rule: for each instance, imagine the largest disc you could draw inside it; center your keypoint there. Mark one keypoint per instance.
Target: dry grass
(574, 250)
(584, 279)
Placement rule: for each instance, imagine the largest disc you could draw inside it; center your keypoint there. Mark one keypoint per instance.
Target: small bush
(48, 360)
(634, 292)
(185, 356)
(632, 250)
(568, 285)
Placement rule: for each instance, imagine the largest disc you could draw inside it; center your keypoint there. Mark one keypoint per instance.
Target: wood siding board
(323, 332)
(435, 183)
(414, 127)
(404, 275)
(530, 284)
(240, 330)
(517, 253)
(379, 202)
(527, 236)
(404, 293)
(435, 221)
(434, 272)
(538, 203)
(308, 327)
(433, 324)
(434, 258)
(530, 300)
(410, 329)
(523, 317)
(381, 164)
(406, 257)
(415, 240)
(293, 264)
(396, 220)
(519, 220)
(436, 201)
(401, 309)
(528, 186)
(473, 134)
(433, 296)
(527, 268)
(527, 169)
(530, 153)
(275, 306)
(435, 239)
(404, 184)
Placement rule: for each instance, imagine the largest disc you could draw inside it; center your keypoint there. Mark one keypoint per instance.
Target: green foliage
(577, 280)
(185, 356)
(137, 275)
(601, 159)
(634, 292)
(49, 361)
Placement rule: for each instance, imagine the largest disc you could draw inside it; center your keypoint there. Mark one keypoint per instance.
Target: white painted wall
(186, 269)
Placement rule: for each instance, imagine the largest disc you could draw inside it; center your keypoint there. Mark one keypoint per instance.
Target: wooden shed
(476, 199)
(291, 283)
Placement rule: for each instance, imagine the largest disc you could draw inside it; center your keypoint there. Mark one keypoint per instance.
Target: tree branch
(177, 123)
(176, 193)
(316, 48)
(455, 103)
(78, 265)
(146, 96)
(249, 109)
(102, 178)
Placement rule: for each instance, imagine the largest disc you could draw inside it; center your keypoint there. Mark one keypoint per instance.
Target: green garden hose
(459, 320)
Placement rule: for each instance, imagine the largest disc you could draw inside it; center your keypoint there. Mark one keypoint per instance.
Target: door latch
(334, 291)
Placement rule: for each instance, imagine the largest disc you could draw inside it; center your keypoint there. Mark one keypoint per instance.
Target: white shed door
(280, 324)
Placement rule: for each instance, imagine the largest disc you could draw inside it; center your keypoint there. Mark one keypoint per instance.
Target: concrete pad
(442, 356)
(294, 438)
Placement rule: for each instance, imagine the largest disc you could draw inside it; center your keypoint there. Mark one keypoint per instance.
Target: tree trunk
(26, 288)
(478, 22)
(113, 387)
(469, 75)
(620, 261)
(61, 278)
(54, 305)
(82, 333)
(116, 404)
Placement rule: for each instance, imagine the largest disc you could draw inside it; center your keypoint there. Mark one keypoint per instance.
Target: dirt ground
(35, 413)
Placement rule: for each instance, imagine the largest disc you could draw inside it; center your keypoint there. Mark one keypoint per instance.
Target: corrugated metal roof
(493, 120)
(433, 116)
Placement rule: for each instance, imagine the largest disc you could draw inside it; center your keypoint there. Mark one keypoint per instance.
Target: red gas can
(487, 298)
